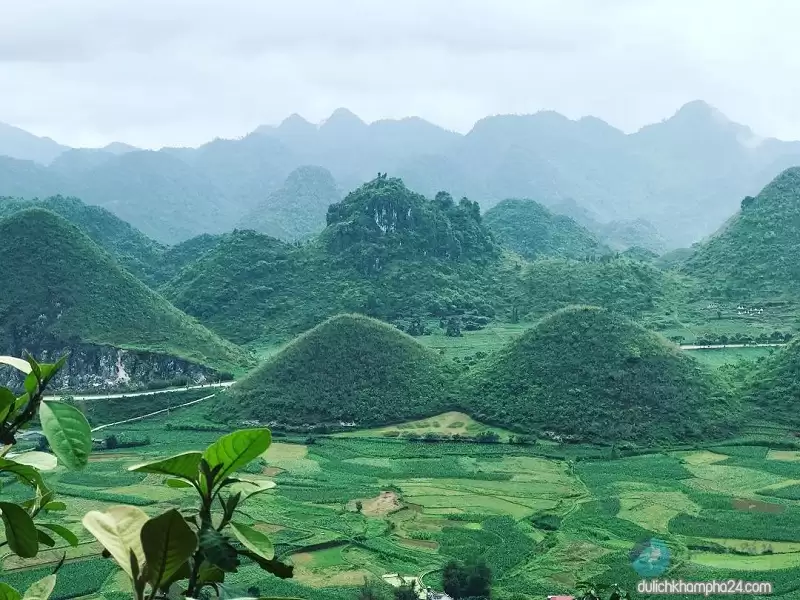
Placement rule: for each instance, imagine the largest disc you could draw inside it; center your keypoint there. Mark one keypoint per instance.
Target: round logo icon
(650, 558)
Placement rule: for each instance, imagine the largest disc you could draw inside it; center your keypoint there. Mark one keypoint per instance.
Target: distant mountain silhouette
(684, 175)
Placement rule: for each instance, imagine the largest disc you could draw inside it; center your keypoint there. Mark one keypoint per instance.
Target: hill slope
(588, 373)
(530, 230)
(757, 253)
(250, 286)
(129, 246)
(626, 286)
(350, 368)
(297, 210)
(61, 288)
(773, 390)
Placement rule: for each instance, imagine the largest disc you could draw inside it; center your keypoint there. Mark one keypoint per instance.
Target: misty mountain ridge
(683, 176)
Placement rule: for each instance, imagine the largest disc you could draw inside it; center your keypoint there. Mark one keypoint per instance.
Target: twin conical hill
(588, 373)
(61, 288)
(347, 369)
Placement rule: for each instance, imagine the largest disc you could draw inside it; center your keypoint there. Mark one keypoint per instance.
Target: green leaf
(31, 384)
(248, 488)
(20, 531)
(209, 573)
(235, 450)
(168, 542)
(45, 539)
(119, 531)
(50, 371)
(218, 550)
(183, 465)
(7, 401)
(8, 593)
(42, 589)
(42, 461)
(62, 532)
(26, 474)
(68, 432)
(253, 540)
(55, 506)
(177, 483)
(17, 363)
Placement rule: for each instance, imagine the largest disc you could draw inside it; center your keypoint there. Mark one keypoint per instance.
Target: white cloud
(156, 72)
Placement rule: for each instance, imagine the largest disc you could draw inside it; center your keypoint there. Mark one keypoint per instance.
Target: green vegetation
(77, 293)
(627, 286)
(755, 255)
(350, 369)
(383, 221)
(773, 389)
(297, 210)
(130, 247)
(532, 231)
(441, 261)
(590, 374)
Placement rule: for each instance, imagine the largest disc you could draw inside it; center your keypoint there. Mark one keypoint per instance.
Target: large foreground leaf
(17, 363)
(41, 460)
(254, 540)
(68, 432)
(41, 589)
(119, 530)
(185, 466)
(20, 531)
(168, 542)
(8, 593)
(236, 449)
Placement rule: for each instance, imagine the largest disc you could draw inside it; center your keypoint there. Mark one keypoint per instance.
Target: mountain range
(674, 182)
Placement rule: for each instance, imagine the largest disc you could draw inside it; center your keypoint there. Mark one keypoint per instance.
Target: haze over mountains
(680, 178)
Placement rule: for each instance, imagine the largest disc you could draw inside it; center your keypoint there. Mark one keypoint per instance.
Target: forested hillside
(61, 289)
(756, 254)
(387, 252)
(529, 229)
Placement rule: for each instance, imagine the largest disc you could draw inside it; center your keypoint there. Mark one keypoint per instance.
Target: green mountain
(348, 369)
(63, 289)
(757, 252)
(588, 373)
(297, 210)
(772, 391)
(530, 230)
(383, 220)
(386, 252)
(130, 247)
(626, 286)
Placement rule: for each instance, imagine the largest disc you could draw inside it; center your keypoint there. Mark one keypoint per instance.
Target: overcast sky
(180, 72)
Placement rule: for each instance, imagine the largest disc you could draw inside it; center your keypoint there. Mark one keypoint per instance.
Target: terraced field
(543, 516)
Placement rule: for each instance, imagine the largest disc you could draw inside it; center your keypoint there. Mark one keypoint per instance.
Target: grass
(449, 423)
(726, 356)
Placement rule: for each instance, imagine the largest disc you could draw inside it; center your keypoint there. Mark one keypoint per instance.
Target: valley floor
(543, 516)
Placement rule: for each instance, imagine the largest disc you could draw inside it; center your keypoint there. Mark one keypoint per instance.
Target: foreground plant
(175, 554)
(69, 437)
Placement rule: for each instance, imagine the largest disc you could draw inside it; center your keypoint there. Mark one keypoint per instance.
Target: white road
(721, 346)
(205, 386)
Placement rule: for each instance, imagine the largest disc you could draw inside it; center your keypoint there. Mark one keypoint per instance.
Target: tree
(467, 580)
(453, 328)
(405, 592)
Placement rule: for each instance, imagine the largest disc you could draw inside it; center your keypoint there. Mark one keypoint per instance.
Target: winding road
(205, 386)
